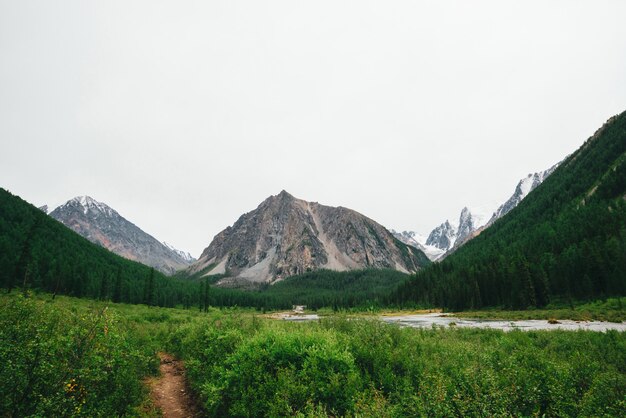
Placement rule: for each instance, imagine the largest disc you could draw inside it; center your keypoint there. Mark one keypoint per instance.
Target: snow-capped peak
(443, 236)
(184, 255)
(523, 189)
(88, 204)
(418, 241)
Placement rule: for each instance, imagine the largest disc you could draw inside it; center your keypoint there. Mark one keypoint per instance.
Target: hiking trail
(170, 392)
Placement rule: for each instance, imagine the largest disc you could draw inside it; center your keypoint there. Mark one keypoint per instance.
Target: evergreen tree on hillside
(565, 240)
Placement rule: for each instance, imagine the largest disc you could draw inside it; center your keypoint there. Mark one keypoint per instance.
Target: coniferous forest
(566, 240)
(41, 254)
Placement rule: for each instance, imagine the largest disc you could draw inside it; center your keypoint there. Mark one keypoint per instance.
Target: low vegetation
(64, 360)
(612, 310)
(75, 357)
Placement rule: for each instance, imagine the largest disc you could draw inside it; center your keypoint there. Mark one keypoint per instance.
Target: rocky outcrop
(443, 236)
(524, 187)
(413, 239)
(286, 236)
(102, 225)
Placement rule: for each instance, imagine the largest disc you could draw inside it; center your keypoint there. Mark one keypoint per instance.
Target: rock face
(104, 226)
(448, 237)
(418, 241)
(524, 187)
(443, 236)
(286, 236)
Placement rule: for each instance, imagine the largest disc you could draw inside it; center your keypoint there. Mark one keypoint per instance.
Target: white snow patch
(182, 254)
(88, 203)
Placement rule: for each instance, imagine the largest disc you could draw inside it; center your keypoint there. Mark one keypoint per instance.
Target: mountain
(566, 240)
(38, 252)
(476, 225)
(418, 241)
(104, 226)
(182, 254)
(443, 236)
(285, 236)
(447, 237)
(524, 187)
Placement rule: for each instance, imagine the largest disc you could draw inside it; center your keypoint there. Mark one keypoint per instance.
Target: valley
(524, 316)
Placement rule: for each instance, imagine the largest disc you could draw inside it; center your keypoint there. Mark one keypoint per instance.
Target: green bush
(243, 366)
(58, 362)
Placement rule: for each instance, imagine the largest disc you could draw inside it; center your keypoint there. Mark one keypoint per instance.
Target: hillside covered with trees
(38, 252)
(566, 240)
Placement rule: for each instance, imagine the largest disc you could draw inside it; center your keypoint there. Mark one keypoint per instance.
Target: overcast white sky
(182, 115)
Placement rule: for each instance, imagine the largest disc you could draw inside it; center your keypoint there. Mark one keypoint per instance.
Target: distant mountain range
(286, 236)
(104, 226)
(448, 237)
(263, 246)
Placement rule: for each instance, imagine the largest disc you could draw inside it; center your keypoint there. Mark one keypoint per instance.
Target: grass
(242, 364)
(610, 310)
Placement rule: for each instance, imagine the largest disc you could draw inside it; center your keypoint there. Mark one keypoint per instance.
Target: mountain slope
(415, 240)
(36, 251)
(102, 225)
(567, 239)
(286, 236)
(448, 237)
(524, 187)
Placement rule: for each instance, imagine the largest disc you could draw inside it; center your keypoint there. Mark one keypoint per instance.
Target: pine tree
(206, 295)
(149, 289)
(117, 289)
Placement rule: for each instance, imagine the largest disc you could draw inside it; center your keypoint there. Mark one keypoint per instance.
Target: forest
(40, 254)
(566, 240)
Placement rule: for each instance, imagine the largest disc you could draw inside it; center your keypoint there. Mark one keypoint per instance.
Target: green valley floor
(73, 357)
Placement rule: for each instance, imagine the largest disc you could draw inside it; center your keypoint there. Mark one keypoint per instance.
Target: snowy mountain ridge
(447, 237)
(418, 241)
(183, 254)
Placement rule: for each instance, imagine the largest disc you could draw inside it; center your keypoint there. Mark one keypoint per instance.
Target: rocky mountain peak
(466, 224)
(104, 226)
(285, 195)
(88, 204)
(285, 236)
(443, 236)
(413, 239)
(523, 189)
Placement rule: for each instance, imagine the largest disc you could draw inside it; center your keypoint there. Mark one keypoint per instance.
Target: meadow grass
(77, 357)
(611, 310)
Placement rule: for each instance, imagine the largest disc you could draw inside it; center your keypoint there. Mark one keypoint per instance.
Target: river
(439, 320)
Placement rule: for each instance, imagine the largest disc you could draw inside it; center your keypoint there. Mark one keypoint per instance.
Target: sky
(183, 115)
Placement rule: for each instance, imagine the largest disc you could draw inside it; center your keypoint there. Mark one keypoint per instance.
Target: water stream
(439, 320)
(442, 320)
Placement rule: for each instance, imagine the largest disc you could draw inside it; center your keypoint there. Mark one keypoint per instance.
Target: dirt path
(170, 392)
